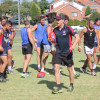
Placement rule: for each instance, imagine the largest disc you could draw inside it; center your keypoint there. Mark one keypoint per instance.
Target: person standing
(64, 49)
(27, 47)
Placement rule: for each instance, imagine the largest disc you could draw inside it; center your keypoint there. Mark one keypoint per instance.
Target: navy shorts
(65, 58)
(39, 44)
(9, 46)
(4, 53)
(95, 44)
(27, 49)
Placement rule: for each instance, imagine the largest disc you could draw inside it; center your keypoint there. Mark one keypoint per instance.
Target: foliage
(94, 16)
(35, 11)
(88, 11)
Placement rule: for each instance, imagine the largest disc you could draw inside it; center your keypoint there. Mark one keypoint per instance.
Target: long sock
(39, 66)
(59, 86)
(74, 71)
(1, 74)
(9, 67)
(42, 69)
(94, 66)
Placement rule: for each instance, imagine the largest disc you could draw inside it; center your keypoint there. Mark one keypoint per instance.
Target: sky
(32, 0)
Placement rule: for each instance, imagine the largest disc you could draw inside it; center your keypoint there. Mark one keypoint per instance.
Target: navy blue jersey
(64, 39)
(4, 40)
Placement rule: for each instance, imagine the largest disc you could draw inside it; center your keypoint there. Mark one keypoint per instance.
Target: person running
(27, 47)
(89, 34)
(64, 49)
(4, 35)
(47, 45)
(39, 31)
(66, 22)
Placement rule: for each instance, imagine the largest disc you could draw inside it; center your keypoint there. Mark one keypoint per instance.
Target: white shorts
(47, 48)
(88, 50)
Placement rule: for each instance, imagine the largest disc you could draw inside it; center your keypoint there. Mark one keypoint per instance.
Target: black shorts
(27, 49)
(65, 58)
(4, 53)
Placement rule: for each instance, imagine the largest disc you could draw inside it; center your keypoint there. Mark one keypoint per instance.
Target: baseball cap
(60, 16)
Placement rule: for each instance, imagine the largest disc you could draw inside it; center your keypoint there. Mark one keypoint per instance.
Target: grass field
(87, 87)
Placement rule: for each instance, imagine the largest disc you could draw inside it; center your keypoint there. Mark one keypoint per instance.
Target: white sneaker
(45, 72)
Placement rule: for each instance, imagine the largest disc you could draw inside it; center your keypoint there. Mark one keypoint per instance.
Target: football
(40, 74)
(53, 36)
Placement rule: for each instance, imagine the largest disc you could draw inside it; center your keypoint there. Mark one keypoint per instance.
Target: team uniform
(63, 44)
(3, 43)
(39, 33)
(27, 47)
(95, 41)
(89, 37)
(46, 44)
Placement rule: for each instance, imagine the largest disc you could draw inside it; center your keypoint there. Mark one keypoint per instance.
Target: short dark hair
(42, 17)
(3, 17)
(66, 17)
(9, 23)
(97, 19)
(26, 22)
(51, 20)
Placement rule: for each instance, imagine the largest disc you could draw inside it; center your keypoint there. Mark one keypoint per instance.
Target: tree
(26, 4)
(5, 8)
(88, 11)
(43, 4)
(94, 16)
(14, 10)
(34, 11)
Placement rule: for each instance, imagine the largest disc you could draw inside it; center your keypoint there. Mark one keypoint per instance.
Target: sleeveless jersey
(89, 37)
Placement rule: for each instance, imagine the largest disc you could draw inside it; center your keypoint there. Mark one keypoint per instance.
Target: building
(75, 9)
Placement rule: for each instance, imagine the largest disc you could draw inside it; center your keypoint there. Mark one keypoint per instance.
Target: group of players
(62, 54)
(7, 35)
(39, 37)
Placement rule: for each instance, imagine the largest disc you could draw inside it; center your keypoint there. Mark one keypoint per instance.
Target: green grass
(87, 87)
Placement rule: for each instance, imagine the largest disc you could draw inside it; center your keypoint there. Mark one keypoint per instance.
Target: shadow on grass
(19, 70)
(34, 66)
(82, 61)
(51, 84)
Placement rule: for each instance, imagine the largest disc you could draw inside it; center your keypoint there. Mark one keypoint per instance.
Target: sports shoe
(93, 73)
(45, 72)
(57, 90)
(83, 70)
(70, 88)
(10, 71)
(76, 75)
(3, 79)
(24, 75)
(39, 69)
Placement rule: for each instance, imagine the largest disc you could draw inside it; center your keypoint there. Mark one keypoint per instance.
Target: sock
(92, 70)
(1, 74)
(71, 84)
(42, 69)
(23, 72)
(94, 66)
(39, 66)
(59, 86)
(74, 71)
(9, 67)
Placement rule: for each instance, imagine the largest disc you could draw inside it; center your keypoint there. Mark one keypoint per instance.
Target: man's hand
(34, 47)
(35, 40)
(72, 47)
(50, 39)
(79, 48)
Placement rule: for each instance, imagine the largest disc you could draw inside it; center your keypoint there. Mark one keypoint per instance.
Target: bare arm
(33, 29)
(29, 31)
(48, 30)
(97, 36)
(75, 42)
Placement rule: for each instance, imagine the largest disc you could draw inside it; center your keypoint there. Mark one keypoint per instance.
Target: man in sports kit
(47, 45)
(89, 34)
(66, 22)
(97, 27)
(39, 31)
(64, 49)
(4, 35)
(27, 47)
